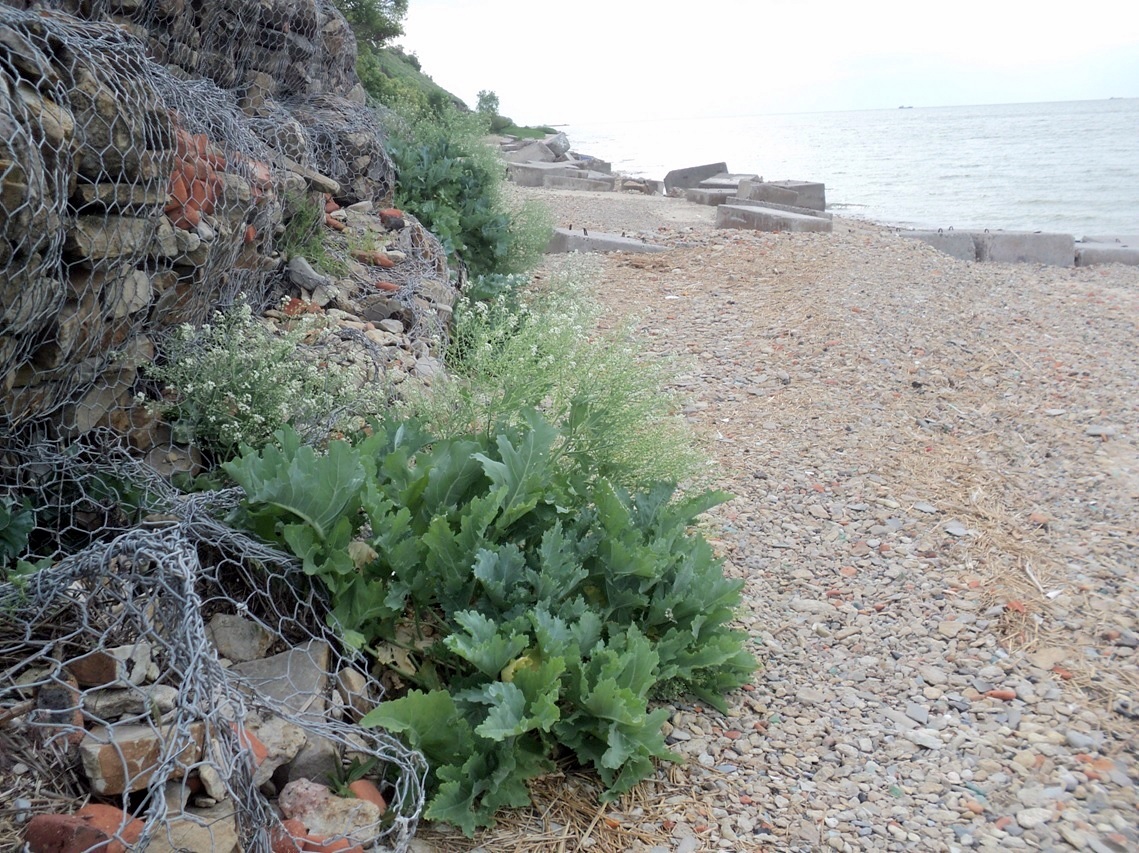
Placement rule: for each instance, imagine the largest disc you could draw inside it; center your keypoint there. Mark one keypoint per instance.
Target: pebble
(963, 487)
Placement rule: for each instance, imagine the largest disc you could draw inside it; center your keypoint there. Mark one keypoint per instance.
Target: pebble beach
(935, 466)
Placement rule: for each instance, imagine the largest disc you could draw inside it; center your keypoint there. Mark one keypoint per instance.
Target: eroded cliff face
(150, 151)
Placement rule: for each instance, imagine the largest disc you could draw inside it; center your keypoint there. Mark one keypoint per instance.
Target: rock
(93, 827)
(111, 704)
(239, 639)
(926, 738)
(319, 758)
(304, 276)
(295, 680)
(116, 666)
(559, 144)
(282, 741)
(918, 713)
(122, 758)
(956, 528)
(1034, 817)
(352, 686)
(326, 814)
(1099, 431)
(950, 629)
(212, 829)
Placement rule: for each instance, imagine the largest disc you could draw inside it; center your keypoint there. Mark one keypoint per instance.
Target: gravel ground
(936, 466)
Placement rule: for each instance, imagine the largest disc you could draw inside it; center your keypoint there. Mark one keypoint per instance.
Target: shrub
(237, 380)
(535, 607)
(451, 179)
(542, 349)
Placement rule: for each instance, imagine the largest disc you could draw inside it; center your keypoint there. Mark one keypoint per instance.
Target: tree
(488, 103)
(374, 21)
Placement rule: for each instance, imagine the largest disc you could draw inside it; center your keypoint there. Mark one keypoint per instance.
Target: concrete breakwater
(747, 201)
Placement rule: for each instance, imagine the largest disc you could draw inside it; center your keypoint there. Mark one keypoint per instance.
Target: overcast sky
(581, 61)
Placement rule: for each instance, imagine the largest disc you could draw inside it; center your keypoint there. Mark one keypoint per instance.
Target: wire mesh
(113, 678)
(153, 154)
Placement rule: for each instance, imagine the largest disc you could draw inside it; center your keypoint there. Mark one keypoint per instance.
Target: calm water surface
(1069, 167)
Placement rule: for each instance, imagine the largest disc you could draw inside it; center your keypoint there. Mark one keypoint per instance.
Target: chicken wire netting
(155, 157)
(177, 669)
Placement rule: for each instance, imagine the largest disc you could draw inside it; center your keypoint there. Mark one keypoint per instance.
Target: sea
(1070, 166)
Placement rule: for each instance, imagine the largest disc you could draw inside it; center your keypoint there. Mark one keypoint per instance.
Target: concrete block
(812, 194)
(959, 244)
(558, 182)
(767, 219)
(1012, 247)
(692, 176)
(537, 151)
(1088, 254)
(595, 163)
(790, 208)
(531, 174)
(762, 191)
(705, 196)
(565, 240)
(1129, 240)
(726, 181)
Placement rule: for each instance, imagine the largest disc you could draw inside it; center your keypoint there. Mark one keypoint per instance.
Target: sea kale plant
(530, 605)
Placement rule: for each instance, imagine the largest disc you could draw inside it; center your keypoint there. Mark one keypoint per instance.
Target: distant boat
(905, 108)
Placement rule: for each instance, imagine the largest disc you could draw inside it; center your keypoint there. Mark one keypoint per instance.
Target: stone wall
(150, 151)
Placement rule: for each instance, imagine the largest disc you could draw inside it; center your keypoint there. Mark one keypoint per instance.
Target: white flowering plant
(236, 380)
(538, 345)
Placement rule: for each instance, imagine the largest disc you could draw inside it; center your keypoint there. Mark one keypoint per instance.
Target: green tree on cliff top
(375, 22)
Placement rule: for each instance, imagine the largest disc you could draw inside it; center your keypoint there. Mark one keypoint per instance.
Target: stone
(117, 665)
(1034, 817)
(583, 184)
(323, 813)
(58, 833)
(950, 629)
(212, 829)
(282, 740)
(926, 738)
(304, 276)
(239, 639)
(99, 237)
(352, 686)
(109, 705)
(128, 294)
(295, 680)
(121, 758)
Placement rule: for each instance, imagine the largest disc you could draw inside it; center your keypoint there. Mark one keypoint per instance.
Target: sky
(586, 61)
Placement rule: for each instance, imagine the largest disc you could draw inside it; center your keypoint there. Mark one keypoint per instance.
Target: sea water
(1071, 166)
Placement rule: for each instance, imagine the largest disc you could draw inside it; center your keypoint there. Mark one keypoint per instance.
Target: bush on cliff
(451, 179)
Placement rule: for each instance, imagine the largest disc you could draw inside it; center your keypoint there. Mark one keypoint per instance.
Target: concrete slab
(558, 182)
(537, 151)
(762, 191)
(595, 163)
(767, 219)
(531, 174)
(726, 181)
(1088, 254)
(709, 196)
(565, 240)
(790, 208)
(1131, 240)
(690, 177)
(1012, 247)
(959, 244)
(812, 194)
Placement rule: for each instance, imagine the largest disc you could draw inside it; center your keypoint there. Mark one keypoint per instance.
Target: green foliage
(237, 380)
(488, 103)
(17, 520)
(304, 227)
(451, 179)
(374, 21)
(394, 79)
(536, 605)
(514, 349)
